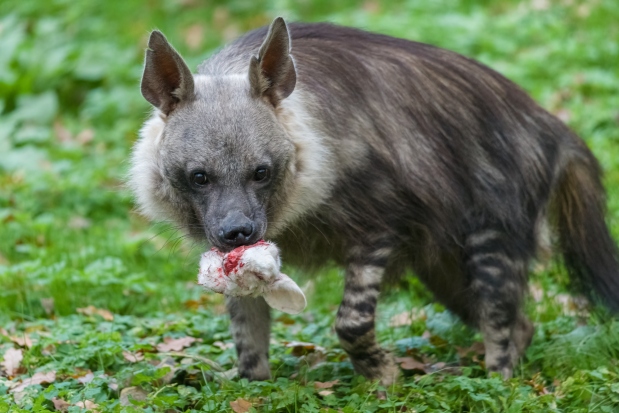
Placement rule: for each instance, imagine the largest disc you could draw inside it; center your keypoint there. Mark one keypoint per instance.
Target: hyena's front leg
(251, 327)
(356, 315)
(497, 267)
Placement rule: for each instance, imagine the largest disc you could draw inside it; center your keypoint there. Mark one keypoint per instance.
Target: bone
(252, 271)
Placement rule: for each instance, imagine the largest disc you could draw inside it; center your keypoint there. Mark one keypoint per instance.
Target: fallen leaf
(12, 360)
(38, 378)
(406, 318)
(401, 320)
(228, 374)
(540, 4)
(88, 405)
(48, 305)
(409, 363)
(476, 349)
(300, 348)
(285, 319)
(325, 385)
(240, 405)
(222, 345)
(85, 136)
(61, 405)
(175, 344)
(23, 340)
(92, 310)
(325, 393)
(133, 357)
(371, 6)
(63, 134)
(78, 222)
(194, 36)
(132, 393)
(536, 291)
(192, 304)
(48, 350)
(87, 378)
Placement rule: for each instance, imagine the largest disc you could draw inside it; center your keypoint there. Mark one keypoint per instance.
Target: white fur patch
(145, 174)
(313, 172)
(251, 271)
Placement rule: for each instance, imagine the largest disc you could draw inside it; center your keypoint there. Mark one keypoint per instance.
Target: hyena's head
(214, 157)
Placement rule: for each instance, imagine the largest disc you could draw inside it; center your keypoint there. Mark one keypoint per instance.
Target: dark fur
(437, 163)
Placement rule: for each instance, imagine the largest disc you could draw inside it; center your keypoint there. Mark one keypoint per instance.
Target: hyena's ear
(167, 80)
(271, 73)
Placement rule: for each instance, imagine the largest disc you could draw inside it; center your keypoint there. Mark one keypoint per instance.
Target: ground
(100, 310)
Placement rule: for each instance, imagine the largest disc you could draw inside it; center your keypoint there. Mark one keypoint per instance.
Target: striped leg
(356, 315)
(497, 270)
(251, 327)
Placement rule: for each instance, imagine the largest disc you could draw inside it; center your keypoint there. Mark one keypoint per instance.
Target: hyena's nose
(237, 233)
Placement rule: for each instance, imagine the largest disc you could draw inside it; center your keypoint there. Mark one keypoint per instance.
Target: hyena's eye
(262, 174)
(199, 178)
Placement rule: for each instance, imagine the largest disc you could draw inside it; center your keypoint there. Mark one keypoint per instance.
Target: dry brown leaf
(325, 393)
(85, 136)
(87, 378)
(48, 350)
(61, 405)
(133, 357)
(300, 348)
(409, 363)
(88, 405)
(536, 292)
(92, 310)
(476, 349)
(63, 134)
(78, 222)
(12, 360)
(194, 36)
(48, 305)
(175, 344)
(400, 320)
(285, 319)
(38, 378)
(240, 405)
(22, 340)
(407, 317)
(136, 393)
(325, 385)
(222, 345)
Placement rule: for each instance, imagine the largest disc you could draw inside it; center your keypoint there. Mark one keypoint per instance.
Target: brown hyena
(379, 154)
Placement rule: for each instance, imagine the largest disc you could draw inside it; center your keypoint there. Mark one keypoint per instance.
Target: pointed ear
(271, 73)
(167, 80)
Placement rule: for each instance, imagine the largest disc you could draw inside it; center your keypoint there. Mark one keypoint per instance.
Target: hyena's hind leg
(355, 318)
(251, 327)
(497, 268)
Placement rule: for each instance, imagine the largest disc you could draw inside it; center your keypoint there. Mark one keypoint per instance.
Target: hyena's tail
(590, 254)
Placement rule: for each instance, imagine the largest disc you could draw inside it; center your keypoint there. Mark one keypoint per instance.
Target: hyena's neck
(312, 172)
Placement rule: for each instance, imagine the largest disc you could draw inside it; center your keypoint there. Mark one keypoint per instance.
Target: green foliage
(70, 109)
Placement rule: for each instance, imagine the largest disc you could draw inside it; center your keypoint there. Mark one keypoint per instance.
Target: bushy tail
(590, 254)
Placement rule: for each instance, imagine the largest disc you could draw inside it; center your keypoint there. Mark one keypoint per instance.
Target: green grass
(69, 111)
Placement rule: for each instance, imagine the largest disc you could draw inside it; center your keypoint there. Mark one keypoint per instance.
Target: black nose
(236, 234)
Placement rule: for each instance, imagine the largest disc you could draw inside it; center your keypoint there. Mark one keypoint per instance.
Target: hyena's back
(422, 142)
(419, 157)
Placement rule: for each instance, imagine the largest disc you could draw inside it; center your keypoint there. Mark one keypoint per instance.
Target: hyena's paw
(502, 358)
(254, 367)
(379, 366)
(522, 334)
(503, 355)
